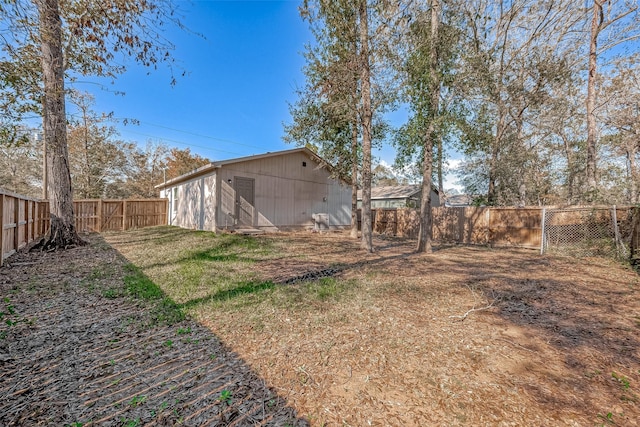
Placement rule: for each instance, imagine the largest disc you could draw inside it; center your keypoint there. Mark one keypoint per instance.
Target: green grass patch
(203, 274)
(138, 285)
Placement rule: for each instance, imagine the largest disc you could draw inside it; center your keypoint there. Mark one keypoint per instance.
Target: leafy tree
(366, 119)
(47, 44)
(178, 162)
(382, 176)
(325, 115)
(20, 162)
(339, 103)
(144, 171)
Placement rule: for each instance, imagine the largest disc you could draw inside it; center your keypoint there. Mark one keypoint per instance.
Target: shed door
(244, 199)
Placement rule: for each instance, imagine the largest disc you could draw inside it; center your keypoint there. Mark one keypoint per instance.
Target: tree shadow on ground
(555, 307)
(75, 353)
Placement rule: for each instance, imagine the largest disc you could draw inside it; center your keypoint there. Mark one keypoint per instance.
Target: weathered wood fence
(498, 227)
(25, 219)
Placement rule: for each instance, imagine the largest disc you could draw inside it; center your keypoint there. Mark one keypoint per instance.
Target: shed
(271, 191)
(398, 196)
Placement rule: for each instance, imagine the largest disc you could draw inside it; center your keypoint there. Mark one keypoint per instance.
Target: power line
(184, 143)
(199, 135)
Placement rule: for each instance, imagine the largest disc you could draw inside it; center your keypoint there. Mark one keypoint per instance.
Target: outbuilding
(271, 192)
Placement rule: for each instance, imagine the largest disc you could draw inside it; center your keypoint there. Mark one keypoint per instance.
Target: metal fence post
(620, 248)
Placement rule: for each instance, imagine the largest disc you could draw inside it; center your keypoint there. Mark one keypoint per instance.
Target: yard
(291, 328)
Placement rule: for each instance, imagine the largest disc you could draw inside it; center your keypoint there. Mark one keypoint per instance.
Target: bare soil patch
(72, 353)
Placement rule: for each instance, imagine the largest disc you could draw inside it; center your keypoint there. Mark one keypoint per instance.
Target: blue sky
(239, 80)
(233, 99)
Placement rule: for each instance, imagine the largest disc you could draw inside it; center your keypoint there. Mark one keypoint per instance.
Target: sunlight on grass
(203, 272)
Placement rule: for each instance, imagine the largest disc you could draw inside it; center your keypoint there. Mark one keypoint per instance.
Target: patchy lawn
(464, 336)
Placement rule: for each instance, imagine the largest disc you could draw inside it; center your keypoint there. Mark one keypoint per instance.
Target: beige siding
(286, 192)
(339, 204)
(194, 206)
(209, 206)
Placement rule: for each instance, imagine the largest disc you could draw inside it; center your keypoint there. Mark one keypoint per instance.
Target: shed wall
(287, 192)
(192, 203)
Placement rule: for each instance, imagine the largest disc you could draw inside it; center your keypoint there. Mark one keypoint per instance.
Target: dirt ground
(552, 340)
(464, 336)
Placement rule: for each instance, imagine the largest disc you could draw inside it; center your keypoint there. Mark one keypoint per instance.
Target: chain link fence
(593, 231)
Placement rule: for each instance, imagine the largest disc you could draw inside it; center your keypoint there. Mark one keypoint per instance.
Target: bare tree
(622, 117)
(620, 20)
(514, 52)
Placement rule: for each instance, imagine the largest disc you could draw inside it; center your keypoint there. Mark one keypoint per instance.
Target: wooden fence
(25, 220)
(469, 225)
(21, 222)
(498, 227)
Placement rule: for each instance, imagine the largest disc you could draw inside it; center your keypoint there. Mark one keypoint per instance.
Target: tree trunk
(570, 169)
(424, 233)
(62, 232)
(354, 179)
(633, 170)
(440, 167)
(367, 117)
(591, 101)
(492, 192)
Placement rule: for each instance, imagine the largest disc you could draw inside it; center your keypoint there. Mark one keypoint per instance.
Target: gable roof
(203, 170)
(394, 192)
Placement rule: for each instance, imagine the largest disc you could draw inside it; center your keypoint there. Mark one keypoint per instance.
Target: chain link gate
(582, 232)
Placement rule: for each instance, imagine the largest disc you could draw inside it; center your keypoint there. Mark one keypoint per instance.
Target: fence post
(124, 215)
(99, 219)
(27, 225)
(544, 217)
(32, 232)
(620, 248)
(16, 217)
(1, 229)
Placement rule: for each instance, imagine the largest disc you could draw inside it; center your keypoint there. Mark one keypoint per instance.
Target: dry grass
(378, 339)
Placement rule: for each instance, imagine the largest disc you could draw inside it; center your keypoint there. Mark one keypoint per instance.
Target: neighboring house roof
(203, 170)
(394, 192)
(458, 200)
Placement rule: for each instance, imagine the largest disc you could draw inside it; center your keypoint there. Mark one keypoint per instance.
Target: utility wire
(161, 138)
(199, 135)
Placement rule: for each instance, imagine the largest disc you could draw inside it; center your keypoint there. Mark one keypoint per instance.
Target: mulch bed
(69, 355)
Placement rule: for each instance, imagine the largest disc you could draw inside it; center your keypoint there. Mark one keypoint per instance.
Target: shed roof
(203, 170)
